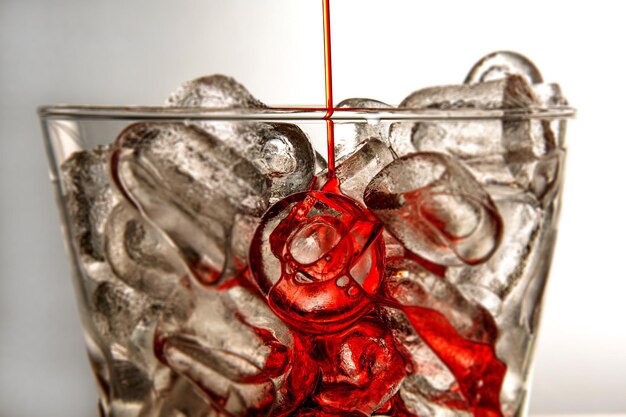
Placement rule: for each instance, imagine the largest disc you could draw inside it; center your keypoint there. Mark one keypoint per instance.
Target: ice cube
(411, 284)
(237, 352)
(191, 186)
(503, 152)
(182, 399)
(544, 134)
(139, 255)
(436, 209)
(498, 65)
(512, 92)
(215, 91)
(502, 272)
(89, 200)
(350, 135)
(280, 151)
(124, 320)
(357, 170)
(430, 386)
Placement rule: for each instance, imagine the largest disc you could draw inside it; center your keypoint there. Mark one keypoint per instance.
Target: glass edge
(296, 113)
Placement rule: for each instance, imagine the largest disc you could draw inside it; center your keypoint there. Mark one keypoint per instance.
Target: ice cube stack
(223, 279)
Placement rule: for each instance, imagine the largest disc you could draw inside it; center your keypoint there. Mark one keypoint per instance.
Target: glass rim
(302, 113)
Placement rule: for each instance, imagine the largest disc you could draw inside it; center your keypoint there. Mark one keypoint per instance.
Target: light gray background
(123, 52)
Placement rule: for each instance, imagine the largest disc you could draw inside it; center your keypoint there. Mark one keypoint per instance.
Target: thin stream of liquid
(328, 75)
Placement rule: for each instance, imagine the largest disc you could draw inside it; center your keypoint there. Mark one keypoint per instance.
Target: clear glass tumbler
(219, 273)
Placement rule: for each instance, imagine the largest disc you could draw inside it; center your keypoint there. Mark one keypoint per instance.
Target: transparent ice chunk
(350, 136)
(139, 255)
(430, 384)
(236, 351)
(436, 209)
(411, 284)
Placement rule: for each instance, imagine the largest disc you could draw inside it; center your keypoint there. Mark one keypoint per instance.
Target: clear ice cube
(139, 255)
(436, 209)
(503, 152)
(411, 284)
(236, 351)
(350, 136)
(357, 170)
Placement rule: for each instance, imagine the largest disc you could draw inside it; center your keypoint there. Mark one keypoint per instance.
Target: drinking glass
(219, 273)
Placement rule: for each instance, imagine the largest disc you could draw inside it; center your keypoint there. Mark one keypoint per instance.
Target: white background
(122, 52)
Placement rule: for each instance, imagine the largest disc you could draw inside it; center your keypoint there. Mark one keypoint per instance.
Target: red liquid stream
(332, 183)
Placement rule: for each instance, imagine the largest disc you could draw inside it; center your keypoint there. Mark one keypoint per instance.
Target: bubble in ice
(361, 368)
(357, 170)
(139, 255)
(215, 91)
(315, 257)
(436, 209)
(191, 186)
(350, 135)
(500, 64)
(281, 151)
(89, 200)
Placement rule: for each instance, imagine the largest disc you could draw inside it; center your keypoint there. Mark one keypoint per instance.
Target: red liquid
(329, 262)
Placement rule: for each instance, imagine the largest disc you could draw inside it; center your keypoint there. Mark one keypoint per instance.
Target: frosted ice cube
(216, 91)
(500, 64)
(504, 152)
(89, 200)
(280, 151)
(191, 186)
